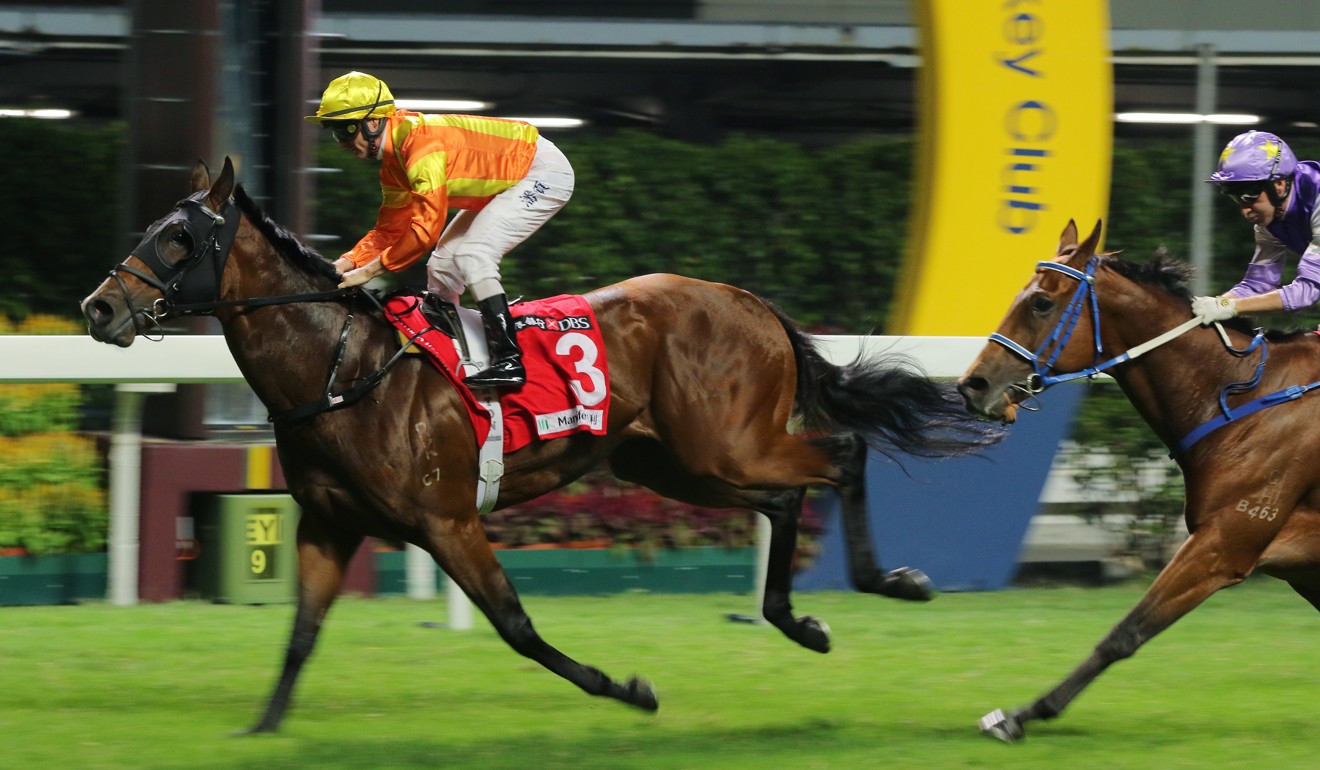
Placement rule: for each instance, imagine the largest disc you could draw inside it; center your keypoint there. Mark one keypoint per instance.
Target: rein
(179, 279)
(1058, 338)
(330, 401)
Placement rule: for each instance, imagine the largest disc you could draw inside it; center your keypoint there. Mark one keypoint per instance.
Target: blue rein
(1058, 338)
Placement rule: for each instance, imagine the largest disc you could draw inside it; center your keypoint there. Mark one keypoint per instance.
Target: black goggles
(343, 131)
(1244, 193)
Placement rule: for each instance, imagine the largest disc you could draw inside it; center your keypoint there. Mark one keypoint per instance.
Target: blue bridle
(1058, 338)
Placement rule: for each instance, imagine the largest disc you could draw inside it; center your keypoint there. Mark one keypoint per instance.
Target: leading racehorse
(1230, 403)
(704, 378)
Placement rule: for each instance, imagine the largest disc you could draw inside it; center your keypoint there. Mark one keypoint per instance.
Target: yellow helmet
(355, 96)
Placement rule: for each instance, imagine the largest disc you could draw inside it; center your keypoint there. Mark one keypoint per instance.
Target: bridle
(188, 290)
(184, 288)
(211, 233)
(1040, 378)
(1058, 338)
(1042, 360)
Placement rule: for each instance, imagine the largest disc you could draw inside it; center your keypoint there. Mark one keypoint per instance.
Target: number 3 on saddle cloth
(567, 388)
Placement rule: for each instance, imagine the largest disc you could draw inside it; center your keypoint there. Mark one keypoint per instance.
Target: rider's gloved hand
(1210, 309)
(362, 274)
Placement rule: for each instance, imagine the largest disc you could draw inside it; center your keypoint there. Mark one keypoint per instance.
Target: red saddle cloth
(567, 387)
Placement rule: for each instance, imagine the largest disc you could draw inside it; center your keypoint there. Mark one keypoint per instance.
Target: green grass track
(1234, 685)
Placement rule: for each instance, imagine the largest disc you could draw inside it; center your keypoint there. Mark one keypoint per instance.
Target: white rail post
(125, 490)
(460, 606)
(420, 572)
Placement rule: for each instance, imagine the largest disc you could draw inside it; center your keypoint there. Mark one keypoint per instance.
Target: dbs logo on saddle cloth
(568, 377)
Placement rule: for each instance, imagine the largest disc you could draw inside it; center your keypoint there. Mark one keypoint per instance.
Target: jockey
(1278, 195)
(503, 177)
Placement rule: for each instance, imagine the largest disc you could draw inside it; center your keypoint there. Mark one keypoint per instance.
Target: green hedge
(59, 212)
(52, 491)
(819, 230)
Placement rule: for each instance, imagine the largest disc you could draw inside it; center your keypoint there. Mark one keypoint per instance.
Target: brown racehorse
(704, 378)
(1232, 408)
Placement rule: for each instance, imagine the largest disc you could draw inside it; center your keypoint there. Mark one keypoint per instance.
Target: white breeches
(471, 247)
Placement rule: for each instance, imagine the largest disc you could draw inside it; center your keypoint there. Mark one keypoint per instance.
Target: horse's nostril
(98, 311)
(972, 385)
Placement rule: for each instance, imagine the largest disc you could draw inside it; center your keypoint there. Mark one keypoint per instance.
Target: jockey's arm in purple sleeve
(1265, 273)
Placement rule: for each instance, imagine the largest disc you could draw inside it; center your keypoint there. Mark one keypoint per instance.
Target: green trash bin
(247, 549)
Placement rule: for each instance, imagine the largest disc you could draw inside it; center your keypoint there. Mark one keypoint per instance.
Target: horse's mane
(1163, 272)
(286, 243)
(1172, 275)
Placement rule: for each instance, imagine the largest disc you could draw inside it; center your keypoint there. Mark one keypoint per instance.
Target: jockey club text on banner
(1014, 139)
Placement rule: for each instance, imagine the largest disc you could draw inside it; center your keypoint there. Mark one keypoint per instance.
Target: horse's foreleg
(849, 453)
(1204, 565)
(1294, 555)
(322, 560)
(462, 551)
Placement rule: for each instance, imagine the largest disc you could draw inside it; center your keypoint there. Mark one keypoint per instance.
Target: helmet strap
(373, 137)
(1275, 198)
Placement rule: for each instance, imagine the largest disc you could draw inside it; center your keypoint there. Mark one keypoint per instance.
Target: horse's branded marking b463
(1266, 505)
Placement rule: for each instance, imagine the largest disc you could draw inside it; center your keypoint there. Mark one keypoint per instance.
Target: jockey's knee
(478, 267)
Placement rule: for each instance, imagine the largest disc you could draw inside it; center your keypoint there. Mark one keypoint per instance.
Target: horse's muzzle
(106, 324)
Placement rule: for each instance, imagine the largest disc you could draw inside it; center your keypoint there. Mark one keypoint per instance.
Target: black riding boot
(506, 367)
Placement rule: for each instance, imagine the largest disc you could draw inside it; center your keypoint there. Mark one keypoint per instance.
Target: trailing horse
(1230, 403)
(703, 380)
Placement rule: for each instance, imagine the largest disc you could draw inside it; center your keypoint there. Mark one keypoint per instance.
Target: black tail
(894, 406)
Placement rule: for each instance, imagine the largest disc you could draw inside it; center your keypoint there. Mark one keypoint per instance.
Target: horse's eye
(176, 244)
(1041, 304)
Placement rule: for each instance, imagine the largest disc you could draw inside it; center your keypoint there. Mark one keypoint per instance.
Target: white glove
(1210, 309)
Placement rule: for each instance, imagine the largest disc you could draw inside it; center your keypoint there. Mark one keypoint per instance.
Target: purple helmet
(1255, 156)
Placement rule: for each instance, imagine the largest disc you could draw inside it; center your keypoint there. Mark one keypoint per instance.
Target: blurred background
(764, 143)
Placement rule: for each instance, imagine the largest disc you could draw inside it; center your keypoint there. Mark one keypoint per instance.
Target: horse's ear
(223, 187)
(1068, 238)
(201, 177)
(1092, 242)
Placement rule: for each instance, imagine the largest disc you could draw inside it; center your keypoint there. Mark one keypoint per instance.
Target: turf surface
(1234, 685)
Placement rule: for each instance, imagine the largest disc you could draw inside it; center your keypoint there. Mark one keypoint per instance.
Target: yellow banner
(1014, 139)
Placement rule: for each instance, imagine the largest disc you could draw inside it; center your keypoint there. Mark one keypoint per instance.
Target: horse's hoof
(638, 692)
(1001, 727)
(814, 634)
(908, 584)
(254, 730)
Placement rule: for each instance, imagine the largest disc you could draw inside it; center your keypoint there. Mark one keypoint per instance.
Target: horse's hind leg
(848, 452)
(462, 551)
(784, 510)
(650, 464)
(322, 559)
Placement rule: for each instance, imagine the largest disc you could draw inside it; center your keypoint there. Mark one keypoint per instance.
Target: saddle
(567, 387)
(443, 316)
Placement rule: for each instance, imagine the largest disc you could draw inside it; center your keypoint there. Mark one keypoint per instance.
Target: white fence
(156, 367)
